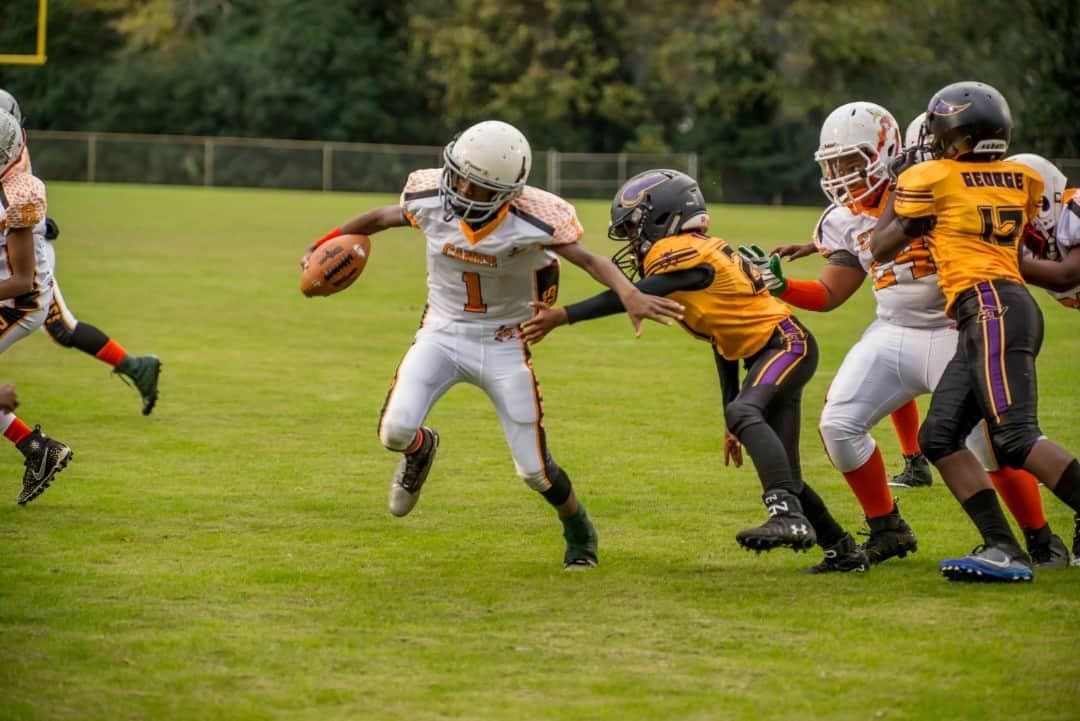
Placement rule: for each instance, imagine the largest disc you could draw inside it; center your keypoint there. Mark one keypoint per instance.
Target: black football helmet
(650, 206)
(968, 120)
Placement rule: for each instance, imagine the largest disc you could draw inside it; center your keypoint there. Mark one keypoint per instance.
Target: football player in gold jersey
(974, 206)
(662, 218)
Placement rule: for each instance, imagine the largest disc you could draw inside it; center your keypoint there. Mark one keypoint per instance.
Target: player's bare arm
(9, 400)
(371, 221)
(638, 305)
(20, 250)
(893, 232)
(795, 251)
(729, 388)
(1056, 276)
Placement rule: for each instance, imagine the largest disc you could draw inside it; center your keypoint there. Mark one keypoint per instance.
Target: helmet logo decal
(635, 192)
(944, 108)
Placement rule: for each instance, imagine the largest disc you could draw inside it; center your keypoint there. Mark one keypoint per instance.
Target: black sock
(828, 530)
(985, 513)
(1068, 486)
(88, 338)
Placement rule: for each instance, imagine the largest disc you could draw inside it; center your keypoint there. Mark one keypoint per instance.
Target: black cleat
(144, 371)
(45, 458)
(916, 473)
(1076, 542)
(1046, 549)
(410, 474)
(787, 526)
(844, 556)
(890, 536)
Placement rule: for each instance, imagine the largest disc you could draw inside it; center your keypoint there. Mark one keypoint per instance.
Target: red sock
(1020, 491)
(871, 486)
(906, 420)
(17, 431)
(111, 353)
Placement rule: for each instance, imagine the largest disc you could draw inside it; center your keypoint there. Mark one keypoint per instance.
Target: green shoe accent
(144, 371)
(581, 540)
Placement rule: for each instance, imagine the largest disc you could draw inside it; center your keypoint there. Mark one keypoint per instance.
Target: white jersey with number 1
(487, 276)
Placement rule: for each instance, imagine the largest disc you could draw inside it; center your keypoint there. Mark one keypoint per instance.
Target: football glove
(768, 266)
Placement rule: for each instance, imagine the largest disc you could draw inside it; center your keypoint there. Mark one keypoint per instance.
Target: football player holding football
(25, 293)
(662, 218)
(493, 245)
(61, 325)
(972, 207)
(902, 354)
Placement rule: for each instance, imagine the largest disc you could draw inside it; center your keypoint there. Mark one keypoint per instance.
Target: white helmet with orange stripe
(491, 156)
(858, 143)
(12, 142)
(9, 104)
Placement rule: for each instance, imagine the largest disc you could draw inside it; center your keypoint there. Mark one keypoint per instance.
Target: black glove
(902, 162)
(52, 230)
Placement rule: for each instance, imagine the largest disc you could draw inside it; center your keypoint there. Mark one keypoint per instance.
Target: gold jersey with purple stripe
(735, 312)
(981, 210)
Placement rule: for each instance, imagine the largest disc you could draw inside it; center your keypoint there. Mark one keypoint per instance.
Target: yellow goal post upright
(38, 57)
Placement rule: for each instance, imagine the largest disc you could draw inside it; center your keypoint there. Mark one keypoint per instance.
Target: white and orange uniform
(23, 205)
(480, 282)
(901, 355)
(1067, 240)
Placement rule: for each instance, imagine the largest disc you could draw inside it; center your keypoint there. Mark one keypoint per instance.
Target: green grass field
(231, 556)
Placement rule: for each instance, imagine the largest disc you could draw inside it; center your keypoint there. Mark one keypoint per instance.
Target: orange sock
(871, 486)
(417, 444)
(111, 353)
(17, 431)
(1020, 491)
(906, 421)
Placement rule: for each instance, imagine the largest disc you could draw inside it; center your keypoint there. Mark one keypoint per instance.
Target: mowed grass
(231, 556)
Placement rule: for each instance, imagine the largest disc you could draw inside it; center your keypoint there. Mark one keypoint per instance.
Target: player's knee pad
(937, 438)
(847, 442)
(58, 330)
(1012, 441)
(739, 415)
(395, 434)
(557, 482)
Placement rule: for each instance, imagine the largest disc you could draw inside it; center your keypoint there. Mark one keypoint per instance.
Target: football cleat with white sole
(989, 564)
(410, 474)
(787, 526)
(45, 457)
(916, 473)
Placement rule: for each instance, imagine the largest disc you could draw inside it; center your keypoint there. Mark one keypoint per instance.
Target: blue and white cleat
(988, 564)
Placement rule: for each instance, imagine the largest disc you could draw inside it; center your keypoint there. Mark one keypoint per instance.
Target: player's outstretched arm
(729, 389)
(1058, 277)
(547, 319)
(20, 252)
(638, 305)
(894, 231)
(367, 223)
(794, 252)
(834, 286)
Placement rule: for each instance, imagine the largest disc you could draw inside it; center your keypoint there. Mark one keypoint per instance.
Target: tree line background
(745, 84)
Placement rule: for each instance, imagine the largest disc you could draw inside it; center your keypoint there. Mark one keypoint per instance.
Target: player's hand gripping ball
(335, 265)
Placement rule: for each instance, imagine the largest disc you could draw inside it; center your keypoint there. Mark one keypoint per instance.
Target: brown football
(335, 265)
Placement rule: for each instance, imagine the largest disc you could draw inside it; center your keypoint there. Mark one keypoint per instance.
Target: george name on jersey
(993, 179)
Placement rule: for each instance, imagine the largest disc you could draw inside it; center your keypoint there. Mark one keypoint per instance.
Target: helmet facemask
(626, 228)
(851, 174)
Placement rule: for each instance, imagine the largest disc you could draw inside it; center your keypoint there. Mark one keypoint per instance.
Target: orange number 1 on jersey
(474, 301)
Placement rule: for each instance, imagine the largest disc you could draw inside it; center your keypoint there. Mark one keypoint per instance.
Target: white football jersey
(22, 205)
(488, 275)
(1067, 240)
(906, 288)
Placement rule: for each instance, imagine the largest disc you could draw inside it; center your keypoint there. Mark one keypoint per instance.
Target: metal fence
(305, 164)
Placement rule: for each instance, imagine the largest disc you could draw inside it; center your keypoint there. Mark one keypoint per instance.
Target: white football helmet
(12, 142)
(9, 104)
(858, 143)
(1053, 190)
(492, 155)
(914, 132)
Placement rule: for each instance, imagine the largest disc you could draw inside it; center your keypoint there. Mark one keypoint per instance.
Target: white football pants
(496, 360)
(16, 325)
(885, 369)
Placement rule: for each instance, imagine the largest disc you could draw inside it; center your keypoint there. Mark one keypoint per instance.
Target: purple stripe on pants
(795, 352)
(994, 327)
